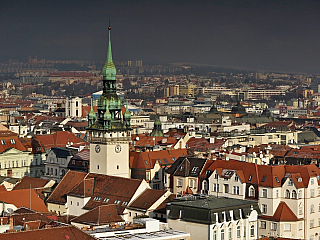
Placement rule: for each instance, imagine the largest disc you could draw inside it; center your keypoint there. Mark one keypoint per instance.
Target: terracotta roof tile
(147, 199)
(68, 182)
(282, 214)
(100, 215)
(147, 160)
(27, 182)
(21, 198)
(56, 233)
(58, 139)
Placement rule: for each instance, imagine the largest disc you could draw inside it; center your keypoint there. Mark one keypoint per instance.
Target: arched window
(294, 194)
(214, 235)
(252, 230)
(287, 194)
(312, 208)
(300, 194)
(251, 191)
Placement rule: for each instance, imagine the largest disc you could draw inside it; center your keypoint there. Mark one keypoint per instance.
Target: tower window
(97, 166)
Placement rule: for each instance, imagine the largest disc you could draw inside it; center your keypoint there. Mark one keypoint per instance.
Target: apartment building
(288, 195)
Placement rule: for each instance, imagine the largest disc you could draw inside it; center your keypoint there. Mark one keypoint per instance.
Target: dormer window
(97, 199)
(263, 179)
(194, 169)
(277, 179)
(106, 200)
(250, 177)
(290, 183)
(3, 142)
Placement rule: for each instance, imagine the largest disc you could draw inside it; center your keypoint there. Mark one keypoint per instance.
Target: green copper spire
(127, 114)
(107, 115)
(109, 70)
(92, 114)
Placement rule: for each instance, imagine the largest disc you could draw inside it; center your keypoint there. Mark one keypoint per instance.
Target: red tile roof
(147, 160)
(21, 198)
(146, 140)
(147, 199)
(55, 233)
(58, 139)
(30, 182)
(69, 180)
(282, 214)
(100, 215)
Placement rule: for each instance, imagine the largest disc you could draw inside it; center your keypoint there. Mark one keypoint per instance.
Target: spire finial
(109, 25)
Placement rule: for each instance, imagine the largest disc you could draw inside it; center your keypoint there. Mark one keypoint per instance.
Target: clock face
(118, 148)
(97, 148)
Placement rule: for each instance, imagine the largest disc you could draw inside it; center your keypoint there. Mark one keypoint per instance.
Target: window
(97, 198)
(214, 235)
(3, 142)
(194, 169)
(294, 194)
(319, 207)
(117, 201)
(300, 226)
(124, 203)
(222, 234)
(264, 193)
(287, 227)
(106, 200)
(311, 223)
(250, 177)
(238, 232)
(277, 179)
(252, 231)
(312, 181)
(274, 226)
(236, 178)
(287, 194)
(226, 188)
(290, 183)
(300, 194)
(264, 208)
(312, 193)
(277, 193)
(190, 183)
(318, 191)
(263, 225)
(70, 202)
(300, 210)
(205, 185)
(311, 237)
(230, 233)
(179, 182)
(236, 190)
(216, 176)
(251, 191)
(312, 208)
(216, 187)
(77, 203)
(156, 175)
(263, 178)
(97, 166)
(12, 141)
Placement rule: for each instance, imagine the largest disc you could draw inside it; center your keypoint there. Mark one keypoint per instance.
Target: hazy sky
(266, 34)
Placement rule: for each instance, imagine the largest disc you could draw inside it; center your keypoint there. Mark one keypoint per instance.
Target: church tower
(109, 131)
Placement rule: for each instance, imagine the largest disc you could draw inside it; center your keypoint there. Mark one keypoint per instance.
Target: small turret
(91, 115)
(157, 129)
(127, 116)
